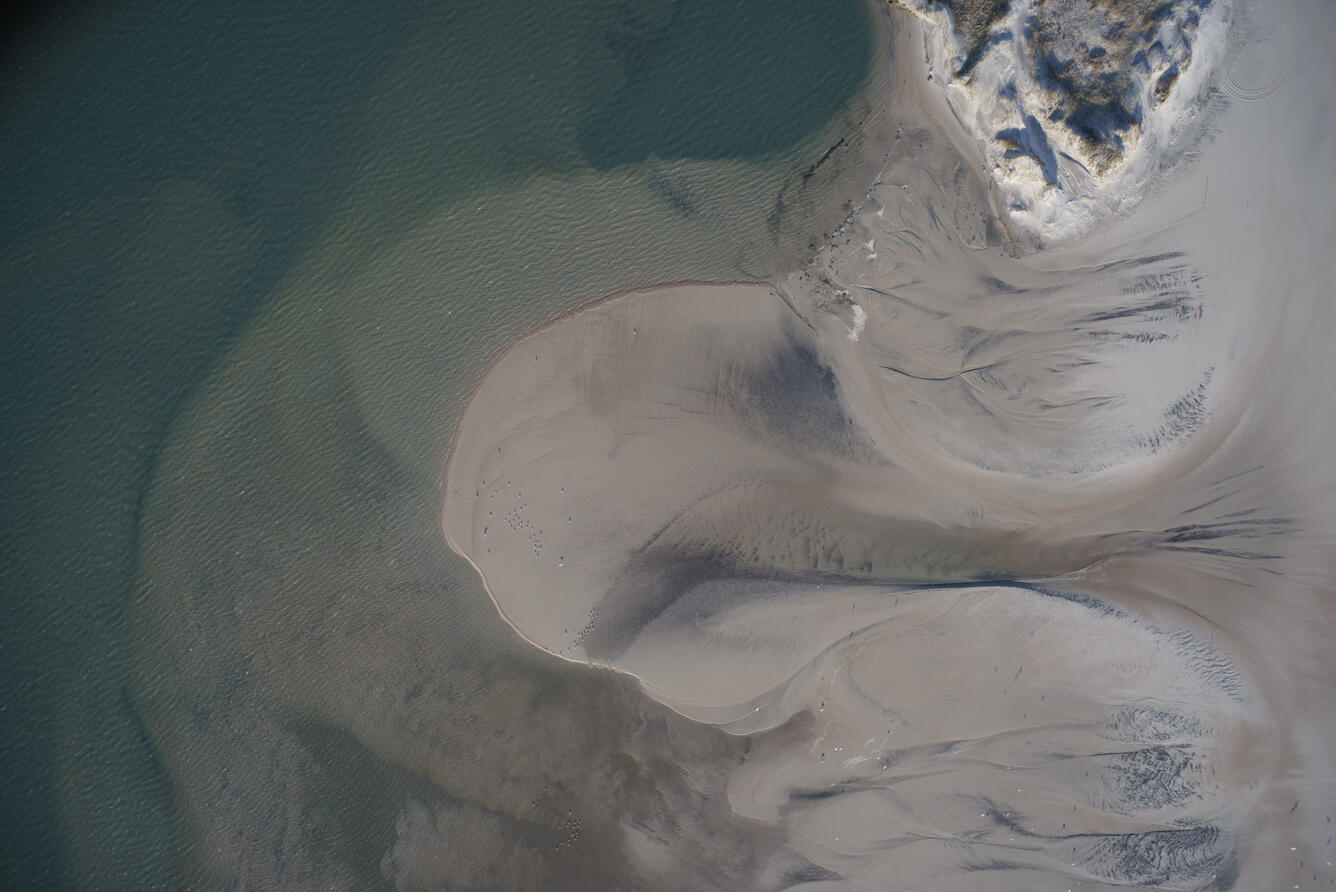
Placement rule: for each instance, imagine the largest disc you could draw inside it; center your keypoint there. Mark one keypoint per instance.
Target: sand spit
(1015, 571)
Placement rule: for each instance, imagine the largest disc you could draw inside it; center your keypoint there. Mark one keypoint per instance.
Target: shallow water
(168, 175)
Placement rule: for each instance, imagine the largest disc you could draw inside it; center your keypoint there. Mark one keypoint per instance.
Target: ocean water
(332, 214)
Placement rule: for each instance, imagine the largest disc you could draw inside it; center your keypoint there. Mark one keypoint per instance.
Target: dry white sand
(1016, 569)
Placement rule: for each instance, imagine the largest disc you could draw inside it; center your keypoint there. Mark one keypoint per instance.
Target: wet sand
(1013, 570)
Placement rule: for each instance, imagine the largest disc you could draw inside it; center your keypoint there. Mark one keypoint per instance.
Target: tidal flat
(924, 485)
(963, 523)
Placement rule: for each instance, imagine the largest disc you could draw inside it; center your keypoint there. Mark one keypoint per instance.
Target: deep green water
(163, 169)
(720, 80)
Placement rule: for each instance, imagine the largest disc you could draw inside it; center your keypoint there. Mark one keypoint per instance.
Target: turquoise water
(166, 168)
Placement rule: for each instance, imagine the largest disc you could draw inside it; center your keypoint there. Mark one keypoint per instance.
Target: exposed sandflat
(1020, 556)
